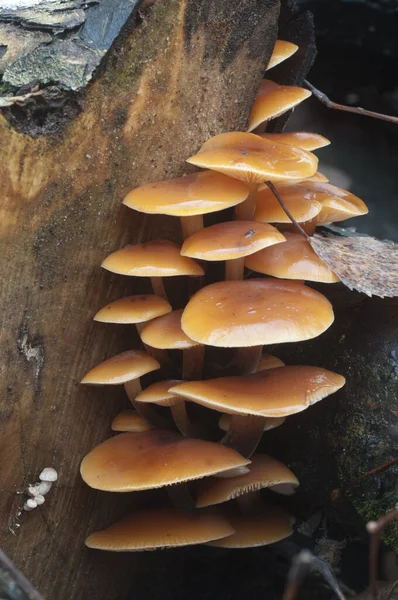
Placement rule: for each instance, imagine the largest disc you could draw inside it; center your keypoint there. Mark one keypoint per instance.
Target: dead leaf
(362, 262)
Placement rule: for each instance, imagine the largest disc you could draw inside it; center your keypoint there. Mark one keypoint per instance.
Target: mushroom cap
(267, 361)
(233, 314)
(160, 528)
(257, 530)
(294, 259)
(159, 258)
(195, 194)
(133, 309)
(336, 204)
(230, 240)
(121, 368)
(264, 472)
(131, 462)
(272, 393)
(268, 209)
(273, 100)
(282, 51)
(306, 140)
(318, 176)
(158, 393)
(269, 423)
(166, 333)
(252, 159)
(130, 420)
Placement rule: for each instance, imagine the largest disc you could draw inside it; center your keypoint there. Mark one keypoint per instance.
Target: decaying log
(180, 72)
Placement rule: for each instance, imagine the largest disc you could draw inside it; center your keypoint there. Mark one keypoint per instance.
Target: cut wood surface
(181, 71)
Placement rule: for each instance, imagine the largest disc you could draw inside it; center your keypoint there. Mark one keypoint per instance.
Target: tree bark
(180, 72)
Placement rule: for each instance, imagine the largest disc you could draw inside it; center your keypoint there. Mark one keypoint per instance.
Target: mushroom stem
(190, 225)
(192, 368)
(157, 353)
(246, 360)
(181, 498)
(192, 362)
(147, 412)
(250, 504)
(244, 434)
(182, 420)
(309, 227)
(245, 210)
(234, 269)
(158, 287)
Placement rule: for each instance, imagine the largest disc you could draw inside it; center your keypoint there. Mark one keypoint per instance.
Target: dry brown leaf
(362, 262)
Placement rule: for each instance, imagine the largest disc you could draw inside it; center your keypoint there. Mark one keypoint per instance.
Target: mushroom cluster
(202, 423)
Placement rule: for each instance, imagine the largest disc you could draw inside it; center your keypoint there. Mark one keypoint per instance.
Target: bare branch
(285, 208)
(374, 529)
(351, 109)
(302, 564)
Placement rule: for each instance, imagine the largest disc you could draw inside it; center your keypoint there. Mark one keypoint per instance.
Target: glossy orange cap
(272, 393)
(158, 529)
(166, 333)
(294, 259)
(264, 472)
(230, 240)
(131, 462)
(257, 530)
(121, 368)
(268, 209)
(282, 51)
(130, 420)
(159, 258)
(233, 314)
(133, 309)
(306, 140)
(195, 194)
(158, 393)
(252, 159)
(273, 100)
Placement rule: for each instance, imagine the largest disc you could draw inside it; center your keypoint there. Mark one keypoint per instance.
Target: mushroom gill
(235, 316)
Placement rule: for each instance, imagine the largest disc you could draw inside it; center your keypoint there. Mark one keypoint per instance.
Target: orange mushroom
(231, 241)
(159, 529)
(130, 420)
(132, 462)
(282, 51)
(188, 197)
(306, 140)
(294, 259)
(156, 260)
(273, 100)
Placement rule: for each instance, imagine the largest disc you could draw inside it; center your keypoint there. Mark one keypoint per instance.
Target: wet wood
(185, 71)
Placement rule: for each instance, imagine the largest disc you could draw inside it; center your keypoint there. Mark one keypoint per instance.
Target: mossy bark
(334, 444)
(184, 71)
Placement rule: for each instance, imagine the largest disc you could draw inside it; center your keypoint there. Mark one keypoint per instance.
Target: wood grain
(186, 70)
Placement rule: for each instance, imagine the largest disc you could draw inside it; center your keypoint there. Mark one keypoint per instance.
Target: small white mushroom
(40, 489)
(30, 504)
(48, 474)
(39, 500)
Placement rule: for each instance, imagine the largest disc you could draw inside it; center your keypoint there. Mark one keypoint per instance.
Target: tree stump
(180, 72)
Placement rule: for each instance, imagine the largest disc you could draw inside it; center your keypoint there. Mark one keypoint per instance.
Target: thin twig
(392, 590)
(302, 563)
(287, 211)
(374, 529)
(373, 471)
(351, 109)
